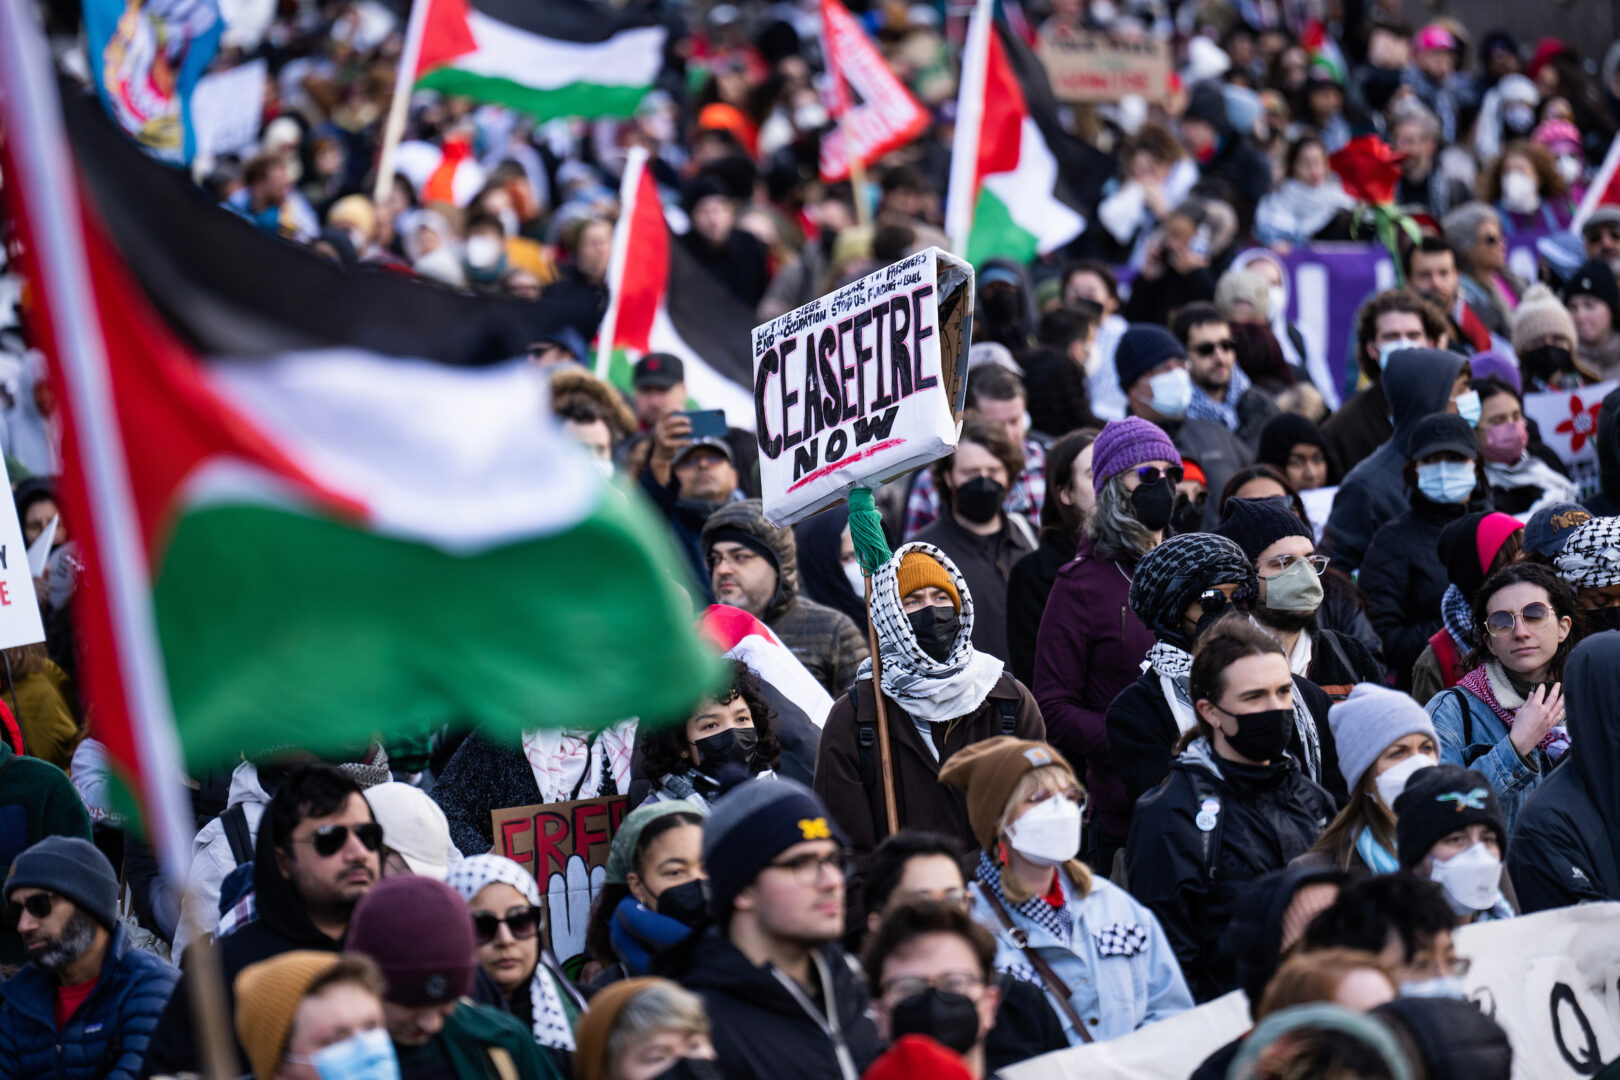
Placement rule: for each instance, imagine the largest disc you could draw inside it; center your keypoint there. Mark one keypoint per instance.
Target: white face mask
(483, 251)
(1048, 835)
(1172, 393)
(1390, 348)
(1276, 302)
(1468, 407)
(1392, 781)
(1471, 878)
(1570, 168)
(857, 580)
(1519, 192)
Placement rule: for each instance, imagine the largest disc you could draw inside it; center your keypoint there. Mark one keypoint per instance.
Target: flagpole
(629, 187)
(857, 176)
(960, 197)
(399, 106)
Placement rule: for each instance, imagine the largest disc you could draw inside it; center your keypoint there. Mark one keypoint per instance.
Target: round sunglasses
(1534, 616)
(1150, 474)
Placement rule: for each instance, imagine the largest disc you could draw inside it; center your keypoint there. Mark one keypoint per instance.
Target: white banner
(1568, 423)
(863, 384)
(1168, 1050)
(227, 108)
(20, 623)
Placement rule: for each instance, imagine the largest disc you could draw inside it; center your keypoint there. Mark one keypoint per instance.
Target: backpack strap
(1471, 753)
(1009, 717)
(237, 834)
(866, 750)
(1054, 983)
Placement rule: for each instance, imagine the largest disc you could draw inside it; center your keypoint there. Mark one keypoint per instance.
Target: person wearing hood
(651, 900)
(319, 856)
(1522, 480)
(1070, 498)
(1605, 502)
(1417, 382)
(1090, 642)
(1593, 301)
(737, 726)
(1508, 112)
(1402, 574)
(1566, 843)
(1472, 548)
(1451, 1037)
(940, 694)
(1005, 312)
(1235, 805)
(1181, 588)
(1449, 830)
(1307, 364)
(1227, 158)
(1505, 717)
(753, 565)
(829, 573)
(1103, 960)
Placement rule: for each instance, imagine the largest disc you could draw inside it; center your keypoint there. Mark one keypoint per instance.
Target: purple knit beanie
(419, 932)
(1126, 443)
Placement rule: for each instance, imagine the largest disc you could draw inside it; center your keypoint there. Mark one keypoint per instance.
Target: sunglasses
(1214, 601)
(1603, 232)
(522, 922)
(1209, 348)
(1492, 240)
(1150, 474)
(39, 906)
(328, 840)
(1535, 616)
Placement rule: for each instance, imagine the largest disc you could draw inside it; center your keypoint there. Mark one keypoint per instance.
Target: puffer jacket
(825, 640)
(105, 1039)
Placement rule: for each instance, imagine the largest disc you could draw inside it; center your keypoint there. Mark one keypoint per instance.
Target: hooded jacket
(1566, 845)
(1416, 384)
(766, 1025)
(826, 641)
(1606, 503)
(1188, 860)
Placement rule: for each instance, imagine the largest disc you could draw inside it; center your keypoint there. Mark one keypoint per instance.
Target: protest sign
(884, 118)
(863, 384)
(1567, 420)
(20, 623)
(1084, 65)
(227, 108)
(1168, 1050)
(565, 845)
(1318, 505)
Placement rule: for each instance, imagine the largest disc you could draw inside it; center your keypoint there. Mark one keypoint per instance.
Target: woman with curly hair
(735, 727)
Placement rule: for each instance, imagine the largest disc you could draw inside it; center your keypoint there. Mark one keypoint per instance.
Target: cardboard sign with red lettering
(565, 845)
(20, 623)
(1086, 66)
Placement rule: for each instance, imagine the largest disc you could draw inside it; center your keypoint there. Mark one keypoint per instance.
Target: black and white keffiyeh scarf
(1591, 556)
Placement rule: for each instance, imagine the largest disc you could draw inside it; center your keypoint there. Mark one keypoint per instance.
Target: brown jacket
(855, 795)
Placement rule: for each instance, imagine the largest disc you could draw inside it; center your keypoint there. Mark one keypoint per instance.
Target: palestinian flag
(556, 58)
(660, 299)
(314, 506)
(801, 704)
(1020, 185)
(1604, 189)
(1324, 51)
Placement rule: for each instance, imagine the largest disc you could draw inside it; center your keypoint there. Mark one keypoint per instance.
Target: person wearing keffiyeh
(1590, 563)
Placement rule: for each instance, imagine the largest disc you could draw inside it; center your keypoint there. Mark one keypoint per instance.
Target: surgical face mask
(1441, 986)
(1447, 481)
(1296, 589)
(935, 628)
(1569, 167)
(1470, 878)
(1172, 393)
(1048, 835)
(1392, 781)
(483, 251)
(1519, 192)
(1276, 302)
(857, 580)
(368, 1055)
(1519, 117)
(1505, 443)
(1388, 349)
(1468, 407)
(732, 745)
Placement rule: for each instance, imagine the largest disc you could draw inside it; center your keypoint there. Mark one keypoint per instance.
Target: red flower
(1582, 423)
(1369, 168)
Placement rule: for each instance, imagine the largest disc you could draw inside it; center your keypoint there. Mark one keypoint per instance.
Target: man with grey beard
(86, 1002)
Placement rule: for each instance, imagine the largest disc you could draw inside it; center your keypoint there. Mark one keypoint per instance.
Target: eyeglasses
(1150, 474)
(1209, 348)
(38, 905)
(959, 982)
(1280, 563)
(1491, 240)
(806, 869)
(956, 898)
(1535, 616)
(1603, 232)
(522, 922)
(1073, 794)
(328, 840)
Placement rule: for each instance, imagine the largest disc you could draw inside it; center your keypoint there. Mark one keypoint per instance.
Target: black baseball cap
(658, 371)
(1438, 432)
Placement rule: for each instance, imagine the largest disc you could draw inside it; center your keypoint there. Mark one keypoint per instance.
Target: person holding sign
(941, 694)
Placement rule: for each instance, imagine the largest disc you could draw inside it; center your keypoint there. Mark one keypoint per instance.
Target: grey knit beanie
(70, 867)
(1367, 722)
(750, 825)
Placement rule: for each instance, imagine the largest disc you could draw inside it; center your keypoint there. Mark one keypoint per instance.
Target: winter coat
(1479, 740)
(36, 800)
(1404, 580)
(1344, 611)
(1219, 452)
(1116, 987)
(211, 854)
(105, 1038)
(827, 642)
(45, 716)
(1340, 661)
(850, 783)
(1142, 736)
(1026, 1026)
(1084, 656)
(1028, 588)
(1190, 877)
(1360, 427)
(686, 518)
(1153, 299)
(470, 1040)
(1375, 491)
(986, 562)
(768, 1026)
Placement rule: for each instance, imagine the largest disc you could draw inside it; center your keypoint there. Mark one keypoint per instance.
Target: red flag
(886, 117)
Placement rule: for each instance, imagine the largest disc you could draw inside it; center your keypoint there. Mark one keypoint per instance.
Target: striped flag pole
(969, 120)
(409, 56)
(618, 253)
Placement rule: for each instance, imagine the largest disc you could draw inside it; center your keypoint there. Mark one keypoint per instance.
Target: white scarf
(565, 762)
(927, 689)
(1299, 661)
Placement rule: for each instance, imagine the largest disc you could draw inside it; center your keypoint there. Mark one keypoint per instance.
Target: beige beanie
(1243, 287)
(1541, 315)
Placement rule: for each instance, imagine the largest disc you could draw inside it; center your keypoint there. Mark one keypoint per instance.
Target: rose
(1369, 169)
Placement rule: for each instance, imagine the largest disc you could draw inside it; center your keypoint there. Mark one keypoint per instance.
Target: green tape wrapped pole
(872, 549)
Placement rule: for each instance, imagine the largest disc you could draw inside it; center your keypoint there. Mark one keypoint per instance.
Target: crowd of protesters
(1152, 733)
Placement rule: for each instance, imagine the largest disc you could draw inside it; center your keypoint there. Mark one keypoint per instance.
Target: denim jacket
(1490, 750)
(1120, 969)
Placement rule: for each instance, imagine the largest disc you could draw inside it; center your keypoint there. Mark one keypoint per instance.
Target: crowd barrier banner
(565, 845)
(1168, 1050)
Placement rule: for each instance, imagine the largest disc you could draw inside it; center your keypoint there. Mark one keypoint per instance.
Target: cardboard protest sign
(20, 623)
(227, 108)
(1168, 1050)
(1568, 423)
(863, 384)
(565, 845)
(1084, 65)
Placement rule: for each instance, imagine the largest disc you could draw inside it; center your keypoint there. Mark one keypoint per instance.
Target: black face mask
(1002, 305)
(1188, 516)
(1602, 618)
(979, 500)
(1151, 504)
(1544, 362)
(936, 629)
(686, 903)
(949, 1019)
(1263, 735)
(690, 1069)
(732, 745)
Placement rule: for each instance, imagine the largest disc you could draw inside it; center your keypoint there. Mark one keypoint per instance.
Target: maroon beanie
(420, 934)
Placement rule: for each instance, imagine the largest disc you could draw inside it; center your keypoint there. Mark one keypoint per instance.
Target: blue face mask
(1441, 986)
(1468, 407)
(1447, 481)
(366, 1056)
(1389, 349)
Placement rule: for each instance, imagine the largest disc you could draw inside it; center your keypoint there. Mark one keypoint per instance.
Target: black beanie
(1256, 524)
(1142, 348)
(1208, 103)
(731, 534)
(1285, 431)
(750, 824)
(1594, 278)
(1436, 803)
(70, 867)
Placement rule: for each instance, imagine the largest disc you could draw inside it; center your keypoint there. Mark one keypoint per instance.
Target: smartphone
(707, 423)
